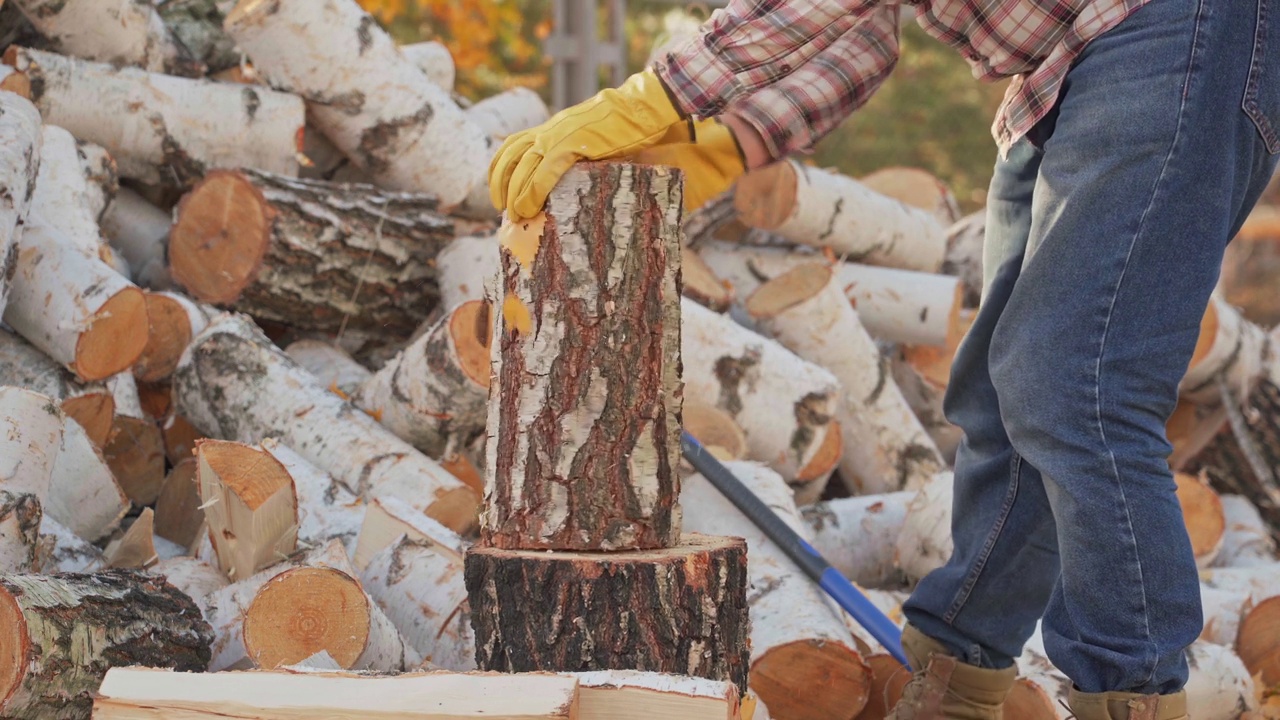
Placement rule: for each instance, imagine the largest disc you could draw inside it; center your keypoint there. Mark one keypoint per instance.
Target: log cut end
(470, 328)
(915, 187)
(1258, 641)
(221, 234)
(170, 335)
(789, 289)
(1208, 334)
(765, 197)
(715, 430)
(94, 411)
(1029, 701)
(135, 453)
(701, 284)
(115, 337)
(250, 504)
(303, 611)
(1202, 512)
(845, 680)
(13, 652)
(888, 678)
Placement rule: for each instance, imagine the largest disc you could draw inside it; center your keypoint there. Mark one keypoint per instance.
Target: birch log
(20, 139)
(139, 231)
(135, 449)
(250, 505)
(925, 398)
(631, 693)
(900, 306)
(327, 510)
(1246, 541)
(1203, 516)
(331, 365)
(386, 520)
(584, 419)
(62, 551)
(886, 449)
(858, 535)
(508, 112)
(197, 24)
(966, 240)
(90, 404)
(308, 253)
(121, 33)
(1230, 347)
(65, 632)
(135, 547)
(62, 196)
(434, 60)
(20, 516)
(173, 319)
(235, 383)
(1220, 686)
(178, 513)
(381, 111)
(804, 662)
(915, 187)
(466, 267)
(681, 609)
(822, 208)
(196, 579)
(785, 405)
(1222, 609)
(715, 430)
(924, 542)
(163, 129)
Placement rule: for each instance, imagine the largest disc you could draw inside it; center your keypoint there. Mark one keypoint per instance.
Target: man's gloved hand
(711, 159)
(616, 122)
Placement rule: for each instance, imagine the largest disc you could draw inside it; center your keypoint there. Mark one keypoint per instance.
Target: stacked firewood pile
(297, 426)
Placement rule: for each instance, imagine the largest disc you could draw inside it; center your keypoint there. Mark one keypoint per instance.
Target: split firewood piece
(439, 385)
(327, 510)
(180, 438)
(294, 609)
(901, 306)
(234, 382)
(966, 240)
(795, 628)
(62, 195)
(136, 547)
(1202, 512)
(918, 188)
(1247, 541)
(331, 365)
(296, 693)
(886, 449)
(62, 551)
(823, 208)
(20, 517)
(858, 535)
(50, 670)
(1230, 347)
(91, 404)
(178, 511)
(308, 253)
(250, 505)
(434, 60)
(162, 128)
(1222, 609)
(76, 309)
(173, 320)
(715, 430)
(197, 579)
(418, 583)
(385, 521)
(926, 400)
(636, 694)
(584, 423)
(139, 231)
(123, 33)
(680, 610)
(702, 284)
(20, 140)
(784, 404)
(924, 542)
(381, 111)
(197, 24)
(135, 448)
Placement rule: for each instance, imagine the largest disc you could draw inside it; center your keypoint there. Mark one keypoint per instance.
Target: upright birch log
(583, 423)
(804, 662)
(20, 517)
(857, 535)
(163, 129)
(785, 405)
(239, 386)
(128, 32)
(327, 510)
(886, 449)
(20, 139)
(823, 208)
(139, 231)
(434, 60)
(308, 253)
(250, 505)
(90, 404)
(381, 111)
(64, 633)
(437, 386)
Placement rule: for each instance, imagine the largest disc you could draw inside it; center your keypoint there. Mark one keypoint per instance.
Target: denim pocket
(1262, 90)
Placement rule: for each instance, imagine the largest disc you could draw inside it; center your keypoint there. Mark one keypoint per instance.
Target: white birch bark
(20, 140)
(434, 60)
(386, 519)
(331, 365)
(62, 551)
(915, 187)
(924, 543)
(118, 32)
(195, 578)
(90, 404)
(627, 693)
(1219, 686)
(62, 196)
(1247, 540)
(508, 112)
(20, 516)
(468, 267)
(139, 231)
(326, 509)
(858, 535)
(1259, 583)
(1230, 347)
(1222, 609)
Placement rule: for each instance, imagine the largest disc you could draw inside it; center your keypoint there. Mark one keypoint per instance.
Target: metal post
(577, 51)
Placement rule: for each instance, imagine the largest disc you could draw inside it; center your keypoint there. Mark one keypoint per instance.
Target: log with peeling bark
(327, 510)
(381, 111)
(20, 140)
(902, 306)
(249, 504)
(173, 319)
(784, 404)
(135, 448)
(236, 384)
(924, 542)
(62, 551)
(308, 253)
(385, 521)
(681, 609)
(466, 267)
(434, 60)
(296, 608)
(63, 193)
(139, 231)
(130, 693)
(90, 404)
(804, 661)
(162, 128)
(20, 517)
(331, 365)
(197, 579)
(1246, 541)
(197, 24)
(886, 448)
(178, 512)
(64, 633)
(439, 385)
(121, 33)
(822, 208)
(74, 308)
(1230, 347)
(916, 187)
(1202, 512)
(584, 418)
(857, 535)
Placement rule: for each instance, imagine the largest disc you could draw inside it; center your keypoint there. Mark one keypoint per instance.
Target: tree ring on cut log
(303, 611)
(789, 289)
(170, 335)
(1256, 640)
(13, 652)
(773, 679)
(112, 336)
(94, 411)
(714, 429)
(216, 266)
(472, 333)
(765, 198)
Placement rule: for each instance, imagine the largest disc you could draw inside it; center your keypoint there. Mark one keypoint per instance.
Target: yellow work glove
(616, 122)
(711, 160)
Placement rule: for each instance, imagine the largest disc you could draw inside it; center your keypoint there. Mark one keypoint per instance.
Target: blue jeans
(1105, 234)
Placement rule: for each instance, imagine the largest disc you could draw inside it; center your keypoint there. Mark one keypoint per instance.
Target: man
(1135, 137)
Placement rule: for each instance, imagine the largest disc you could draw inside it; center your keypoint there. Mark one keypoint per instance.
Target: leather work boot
(942, 687)
(1127, 706)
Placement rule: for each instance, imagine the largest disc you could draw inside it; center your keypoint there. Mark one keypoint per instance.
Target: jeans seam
(980, 564)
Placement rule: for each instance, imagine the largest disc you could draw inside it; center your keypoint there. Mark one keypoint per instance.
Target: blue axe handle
(801, 553)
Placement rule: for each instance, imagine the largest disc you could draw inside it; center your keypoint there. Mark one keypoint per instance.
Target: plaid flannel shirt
(794, 69)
